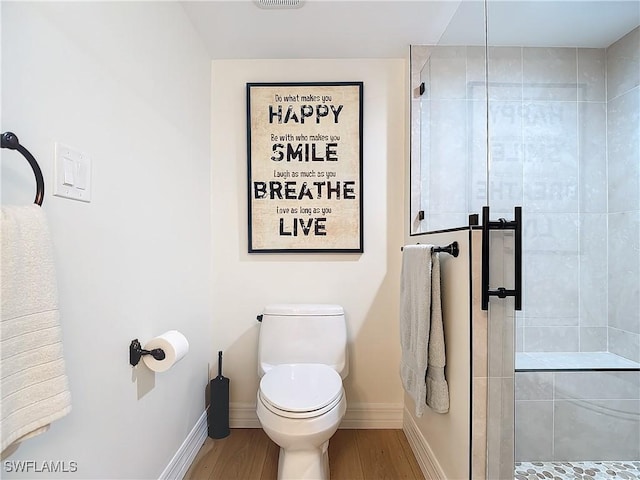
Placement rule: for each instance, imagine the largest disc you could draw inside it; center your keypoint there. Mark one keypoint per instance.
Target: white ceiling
(239, 29)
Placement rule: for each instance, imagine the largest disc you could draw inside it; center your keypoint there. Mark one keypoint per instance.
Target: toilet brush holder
(219, 407)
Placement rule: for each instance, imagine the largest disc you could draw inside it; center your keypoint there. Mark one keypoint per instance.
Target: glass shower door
(548, 119)
(564, 142)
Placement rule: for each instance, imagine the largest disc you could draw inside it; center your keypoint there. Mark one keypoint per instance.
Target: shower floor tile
(577, 470)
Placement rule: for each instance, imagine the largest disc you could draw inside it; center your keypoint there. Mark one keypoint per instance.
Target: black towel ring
(10, 141)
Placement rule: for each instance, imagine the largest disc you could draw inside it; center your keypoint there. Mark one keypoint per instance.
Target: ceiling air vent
(272, 4)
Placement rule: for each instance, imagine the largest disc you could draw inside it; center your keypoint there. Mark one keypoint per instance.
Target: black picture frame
(304, 164)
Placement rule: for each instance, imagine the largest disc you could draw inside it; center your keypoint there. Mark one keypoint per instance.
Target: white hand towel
(421, 330)
(33, 379)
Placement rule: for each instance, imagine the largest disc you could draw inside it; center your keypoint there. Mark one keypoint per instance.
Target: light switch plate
(72, 172)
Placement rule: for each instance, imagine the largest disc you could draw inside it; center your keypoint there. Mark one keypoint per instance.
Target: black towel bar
(10, 141)
(451, 249)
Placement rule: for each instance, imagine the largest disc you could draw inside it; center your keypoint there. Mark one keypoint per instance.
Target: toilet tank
(303, 333)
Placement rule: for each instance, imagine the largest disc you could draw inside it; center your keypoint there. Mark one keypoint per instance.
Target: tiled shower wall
(577, 416)
(547, 119)
(552, 113)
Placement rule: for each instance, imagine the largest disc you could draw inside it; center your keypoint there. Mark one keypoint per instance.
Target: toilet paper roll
(175, 346)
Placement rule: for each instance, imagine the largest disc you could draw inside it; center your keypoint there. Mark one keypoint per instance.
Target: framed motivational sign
(305, 167)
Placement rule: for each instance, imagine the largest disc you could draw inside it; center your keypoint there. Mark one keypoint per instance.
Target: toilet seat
(302, 390)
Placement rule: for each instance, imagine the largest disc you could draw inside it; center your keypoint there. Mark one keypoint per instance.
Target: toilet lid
(301, 387)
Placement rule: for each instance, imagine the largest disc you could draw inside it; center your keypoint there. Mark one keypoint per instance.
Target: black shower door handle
(502, 224)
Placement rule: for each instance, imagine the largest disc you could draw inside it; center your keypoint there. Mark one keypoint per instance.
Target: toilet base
(308, 464)
(303, 442)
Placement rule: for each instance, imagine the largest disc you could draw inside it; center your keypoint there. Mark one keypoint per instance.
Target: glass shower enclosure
(542, 110)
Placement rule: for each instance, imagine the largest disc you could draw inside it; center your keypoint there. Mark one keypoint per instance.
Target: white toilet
(302, 359)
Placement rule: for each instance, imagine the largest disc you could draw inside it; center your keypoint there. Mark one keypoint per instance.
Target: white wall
(129, 84)
(366, 285)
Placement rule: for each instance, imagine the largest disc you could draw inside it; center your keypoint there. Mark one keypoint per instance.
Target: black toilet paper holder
(136, 352)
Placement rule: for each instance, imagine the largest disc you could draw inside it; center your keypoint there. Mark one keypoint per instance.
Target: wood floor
(248, 454)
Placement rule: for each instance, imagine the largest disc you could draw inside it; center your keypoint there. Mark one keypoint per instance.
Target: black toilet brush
(219, 407)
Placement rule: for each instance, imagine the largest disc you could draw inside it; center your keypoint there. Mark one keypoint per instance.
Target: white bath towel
(33, 379)
(421, 332)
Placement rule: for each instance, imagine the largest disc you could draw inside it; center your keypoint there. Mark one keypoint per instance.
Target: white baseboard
(243, 415)
(183, 458)
(360, 415)
(373, 415)
(429, 465)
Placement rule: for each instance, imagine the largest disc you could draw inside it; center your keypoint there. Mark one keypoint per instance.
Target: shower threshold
(584, 470)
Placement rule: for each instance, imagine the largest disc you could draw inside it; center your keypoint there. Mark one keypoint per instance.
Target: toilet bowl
(300, 407)
(302, 359)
